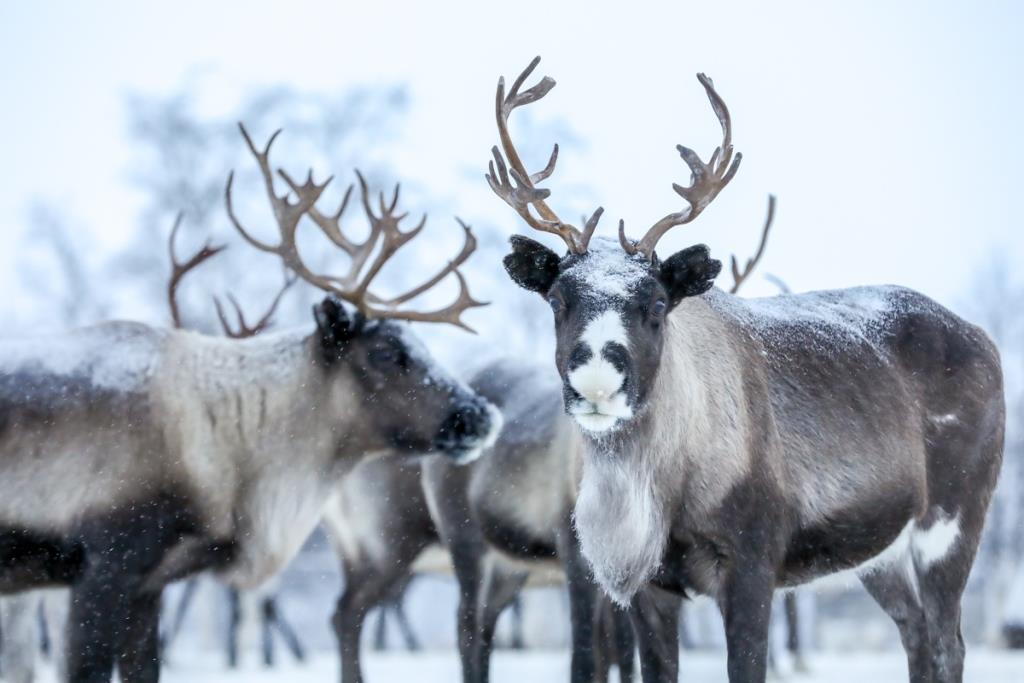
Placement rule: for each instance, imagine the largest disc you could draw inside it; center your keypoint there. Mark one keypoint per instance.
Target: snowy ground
(544, 666)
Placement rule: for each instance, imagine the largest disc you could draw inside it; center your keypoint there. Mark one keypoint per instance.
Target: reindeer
(503, 520)
(265, 603)
(132, 456)
(735, 446)
(510, 514)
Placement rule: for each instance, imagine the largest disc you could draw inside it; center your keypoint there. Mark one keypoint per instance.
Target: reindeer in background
(131, 457)
(240, 607)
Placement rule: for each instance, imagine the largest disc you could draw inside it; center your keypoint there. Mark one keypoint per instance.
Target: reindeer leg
(466, 557)
(500, 589)
(99, 607)
(583, 603)
(655, 617)
(894, 594)
(138, 658)
(234, 625)
(625, 643)
(363, 591)
(746, 605)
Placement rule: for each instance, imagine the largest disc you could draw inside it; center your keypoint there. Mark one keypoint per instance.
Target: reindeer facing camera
(733, 446)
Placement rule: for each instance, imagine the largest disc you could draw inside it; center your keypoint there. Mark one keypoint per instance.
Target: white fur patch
(932, 544)
(913, 551)
(597, 380)
(620, 523)
(895, 556)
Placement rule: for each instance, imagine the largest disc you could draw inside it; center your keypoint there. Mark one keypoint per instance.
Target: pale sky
(889, 131)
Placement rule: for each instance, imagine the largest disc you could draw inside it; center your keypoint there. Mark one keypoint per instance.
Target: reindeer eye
(388, 356)
(555, 304)
(658, 309)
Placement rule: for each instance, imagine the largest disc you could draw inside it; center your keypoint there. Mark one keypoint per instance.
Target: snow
(87, 354)
(543, 666)
(835, 319)
(608, 271)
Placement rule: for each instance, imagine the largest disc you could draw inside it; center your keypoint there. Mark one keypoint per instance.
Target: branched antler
(740, 276)
(179, 269)
(514, 184)
(706, 180)
(386, 238)
(242, 329)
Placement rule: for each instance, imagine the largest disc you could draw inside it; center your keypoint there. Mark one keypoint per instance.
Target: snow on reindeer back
(823, 321)
(112, 355)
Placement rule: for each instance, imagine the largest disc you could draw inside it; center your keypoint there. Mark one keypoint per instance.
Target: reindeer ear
(335, 326)
(689, 272)
(531, 265)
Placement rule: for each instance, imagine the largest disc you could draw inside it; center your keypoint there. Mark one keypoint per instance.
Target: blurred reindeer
(164, 484)
(262, 601)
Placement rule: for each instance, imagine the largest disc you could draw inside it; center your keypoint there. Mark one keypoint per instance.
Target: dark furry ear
(689, 272)
(335, 326)
(531, 265)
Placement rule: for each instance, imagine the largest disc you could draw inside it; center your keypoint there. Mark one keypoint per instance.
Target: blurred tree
(57, 264)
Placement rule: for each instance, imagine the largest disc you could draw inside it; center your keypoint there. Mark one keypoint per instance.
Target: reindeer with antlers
(132, 456)
(733, 446)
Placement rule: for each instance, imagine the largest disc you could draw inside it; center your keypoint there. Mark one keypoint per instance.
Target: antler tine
(513, 183)
(180, 269)
(451, 314)
(287, 216)
(706, 180)
(386, 224)
(738, 276)
(590, 226)
(468, 247)
(244, 329)
(329, 225)
(359, 252)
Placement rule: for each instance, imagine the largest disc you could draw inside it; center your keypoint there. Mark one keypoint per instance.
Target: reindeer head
(377, 374)
(610, 298)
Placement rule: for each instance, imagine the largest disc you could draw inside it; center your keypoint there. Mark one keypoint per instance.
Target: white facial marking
(932, 544)
(597, 380)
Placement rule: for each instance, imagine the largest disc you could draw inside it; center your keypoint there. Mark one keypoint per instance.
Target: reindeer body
(124, 415)
(735, 446)
(131, 457)
(787, 438)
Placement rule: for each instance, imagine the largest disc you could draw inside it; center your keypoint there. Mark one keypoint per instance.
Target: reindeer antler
(521, 191)
(243, 329)
(384, 230)
(738, 276)
(706, 180)
(180, 269)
